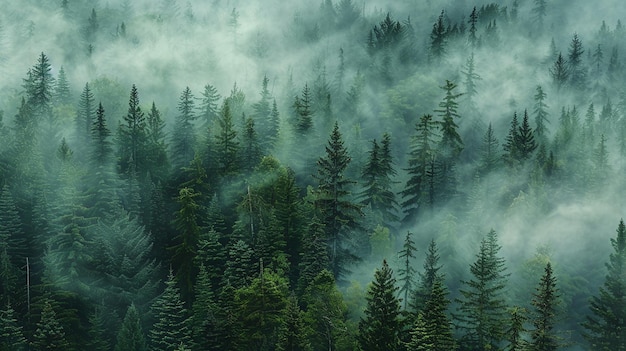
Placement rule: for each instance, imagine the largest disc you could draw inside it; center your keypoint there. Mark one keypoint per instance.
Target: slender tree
(130, 336)
(406, 273)
(605, 326)
(184, 138)
(171, 326)
(545, 301)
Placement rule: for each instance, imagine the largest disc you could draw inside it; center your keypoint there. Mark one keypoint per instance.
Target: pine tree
(96, 333)
(11, 333)
(559, 72)
(49, 334)
(130, 337)
(380, 329)
(209, 111)
(337, 212)
(39, 88)
(314, 255)
(171, 326)
(417, 191)
(577, 73)
(605, 326)
(227, 147)
(511, 151)
(62, 92)
(471, 78)
(482, 304)
(436, 322)
(541, 115)
(186, 242)
(377, 173)
(515, 330)
(239, 266)
(304, 113)
(203, 319)
(451, 143)
(156, 155)
(132, 138)
(184, 138)
(473, 21)
(85, 116)
(438, 40)
(545, 302)
(526, 143)
(250, 147)
(12, 237)
(489, 156)
(292, 333)
(428, 277)
(406, 273)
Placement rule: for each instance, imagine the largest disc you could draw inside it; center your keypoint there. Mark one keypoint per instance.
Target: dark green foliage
(250, 147)
(156, 155)
(130, 336)
(489, 154)
(85, 116)
(208, 109)
(438, 40)
(337, 212)
(97, 338)
(436, 325)
(451, 144)
(386, 35)
(204, 307)
(11, 333)
(261, 308)
(62, 92)
(577, 73)
(482, 307)
(545, 301)
(380, 329)
(314, 254)
(541, 114)
(472, 38)
(49, 334)
(526, 143)
(239, 267)
(185, 244)
(406, 273)
(227, 149)
(605, 325)
(419, 188)
(303, 112)
(428, 278)
(212, 255)
(184, 138)
(12, 239)
(515, 330)
(292, 333)
(39, 87)
(132, 137)
(559, 72)
(171, 326)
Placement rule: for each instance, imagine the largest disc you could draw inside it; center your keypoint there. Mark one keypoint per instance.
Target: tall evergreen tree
(203, 319)
(473, 21)
(11, 333)
(526, 143)
(577, 73)
(250, 147)
(541, 115)
(406, 273)
(49, 335)
(377, 176)
(438, 329)
(417, 192)
(545, 301)
(171, 326)
(451, 143)
(489, 155)
(156, 155)
(184, 138)
(132, 138)
(380, 329)
(130, 337)
(482, 304)
(39, 87)
(559, 72)
(605, 326)
(85, 116)
(227, 146)
(293, 333)
(338, 214)
(304, 113)
(209, 108)
(438, 40)
(428, 277)
(62, 92)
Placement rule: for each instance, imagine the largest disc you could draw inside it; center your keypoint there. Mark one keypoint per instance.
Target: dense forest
(324, 175)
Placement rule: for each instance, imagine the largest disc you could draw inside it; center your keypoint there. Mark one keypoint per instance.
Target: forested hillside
(312, 175)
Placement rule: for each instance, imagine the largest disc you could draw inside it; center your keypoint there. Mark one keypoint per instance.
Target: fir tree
(406, 273)
(156, 155)
(489, 156)
(39, 87)
(451, 143)
(511, 155)
(132, 138)
(184, 138)
(11, 333)
(130, 337)
(515, 330)
(171, 326)
(428, 277)
(577, 73)
(292, 333)
(250, 147)
(545, 301)
(203, 319)
(209, 111)
(380, 329)
(227, 146)
(85, 116)
(541, 115)
(186, 242)
(62, 92)
(304, 113)
(338, 213)
(526, 143)
(473, 21)
(377, 192)
(482, 304)
(605, 326)
(49, 334)
(559, 72)
(436, 322)
(438, 40)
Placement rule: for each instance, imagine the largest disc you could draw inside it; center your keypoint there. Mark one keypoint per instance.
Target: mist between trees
(331, 175)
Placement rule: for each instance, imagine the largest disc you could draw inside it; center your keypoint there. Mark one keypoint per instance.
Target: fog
(169, 45)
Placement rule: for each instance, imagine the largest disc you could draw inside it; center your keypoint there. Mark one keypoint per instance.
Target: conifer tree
(526, 143)
(541, 114)
(203, 318)
(605, 326)
(209, 109)
(451, 143)
(471, 78)
(380, 329)
(171, 326)
(428, 277)
(12, 237)
(489, 155)
(292, 333)
(130, 337)
(96, 333)
(559, 72)
(49, 335)
(577, 73)
(511, 151)
(482, 304)
(436, 322)
(515, 330)
(85, 116)
(132, 137)
(406, 273)
(314, 255)
(184, 138)
(338, 213)
(473, 21)
(438, 40)
(539, 12)
(250, 147)
(186, 242)
(62, 92)
(304, 113)
(377, 175)
(227, 147)
(239, 267)
(417, 191)
(11, 333)
(545, 301)
(39, 87)
(156, 155)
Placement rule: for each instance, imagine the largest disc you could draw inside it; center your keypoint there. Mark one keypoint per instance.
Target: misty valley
(312, 175)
